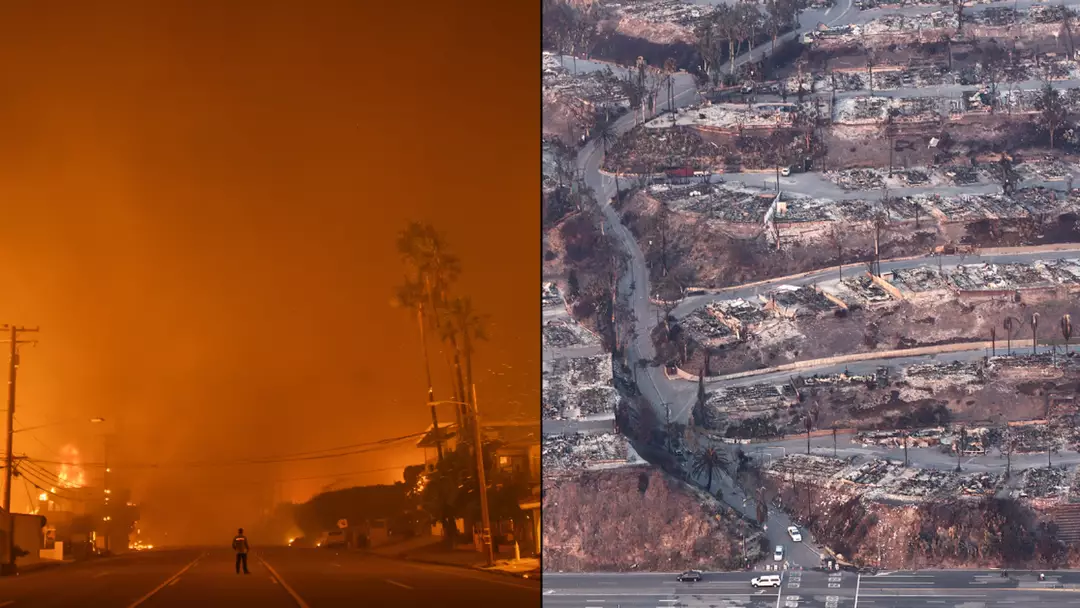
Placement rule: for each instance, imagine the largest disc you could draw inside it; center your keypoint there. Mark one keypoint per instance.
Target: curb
(405, 558)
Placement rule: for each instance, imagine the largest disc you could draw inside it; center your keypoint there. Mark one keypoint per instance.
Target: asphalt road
(279, 578)
(813, 589)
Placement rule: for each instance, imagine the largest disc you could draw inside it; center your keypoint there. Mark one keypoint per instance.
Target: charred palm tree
(1066, 331)
(707, 462)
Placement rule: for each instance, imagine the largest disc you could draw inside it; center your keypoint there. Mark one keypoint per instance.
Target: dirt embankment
(636, 518)
(987, 533)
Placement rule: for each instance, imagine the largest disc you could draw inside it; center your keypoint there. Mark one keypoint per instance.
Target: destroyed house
(921, 282)
(550, 298)
(866, 292)
(790, 301)
(742, 402)
(999, 280)
(722, 322)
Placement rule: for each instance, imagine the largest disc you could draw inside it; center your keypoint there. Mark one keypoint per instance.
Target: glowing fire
(71, 473)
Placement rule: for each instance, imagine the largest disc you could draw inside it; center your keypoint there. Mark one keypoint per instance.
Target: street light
(95, 420)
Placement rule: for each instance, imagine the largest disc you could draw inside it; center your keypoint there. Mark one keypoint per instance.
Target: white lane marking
(402, 585)
(168, 581)
(858, 583)
(295, 596)
(464, 573)
(101, 574)
(175, 580)
(7, 603)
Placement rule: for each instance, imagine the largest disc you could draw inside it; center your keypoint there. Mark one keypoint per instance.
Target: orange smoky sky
(201, 203)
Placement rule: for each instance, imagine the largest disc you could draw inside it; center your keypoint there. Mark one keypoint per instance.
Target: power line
(53, 478)
(373, 446)
(30, 477)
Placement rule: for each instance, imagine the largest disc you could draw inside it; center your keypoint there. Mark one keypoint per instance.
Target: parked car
(778, 555)
(794, 533)
(334, 539)
(768, 580)
(690, 576)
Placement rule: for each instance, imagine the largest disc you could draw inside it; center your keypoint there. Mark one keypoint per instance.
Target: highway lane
(325, 578)
(813, 589)
(108, 582)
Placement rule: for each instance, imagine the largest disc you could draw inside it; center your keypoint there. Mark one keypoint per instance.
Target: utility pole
(13, 366)
(479, 449)
(108, 511)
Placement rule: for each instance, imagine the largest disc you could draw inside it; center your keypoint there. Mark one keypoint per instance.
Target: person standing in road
(240, 545)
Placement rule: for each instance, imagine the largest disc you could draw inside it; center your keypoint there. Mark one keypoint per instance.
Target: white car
(778, 555)
(769, 580)
(794, 533)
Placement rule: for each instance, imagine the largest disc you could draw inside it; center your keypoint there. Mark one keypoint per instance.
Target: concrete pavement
(279, 578)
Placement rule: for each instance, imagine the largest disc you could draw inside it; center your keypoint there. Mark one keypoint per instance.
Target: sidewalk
(432, 551)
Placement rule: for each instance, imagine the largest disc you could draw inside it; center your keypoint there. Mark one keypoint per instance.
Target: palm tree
(465, 323)
(709, 461)
(430, 271)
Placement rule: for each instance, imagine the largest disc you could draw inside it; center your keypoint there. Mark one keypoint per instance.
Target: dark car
(690, 576)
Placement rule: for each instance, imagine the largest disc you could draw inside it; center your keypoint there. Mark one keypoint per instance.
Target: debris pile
(736, 403)
(570, 452)
(870, 473)
(999, 277)
(921, 438)
(805, 467)
(918, 280)
(729, 116)
(863, 290)
(939, 376)
(712, 326)
(550, 298)
(791, 302)
(1043, 482)
(564, 332)
(857, 179)
(578, 387)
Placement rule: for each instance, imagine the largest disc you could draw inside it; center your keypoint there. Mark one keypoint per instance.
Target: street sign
(342, 523)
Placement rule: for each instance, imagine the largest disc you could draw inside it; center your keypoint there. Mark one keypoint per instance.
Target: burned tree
(992, 63)
(709, 461)
(1034, 333)
(1012, 326)
(1066, 330)
(837, 236)
(1052, 110)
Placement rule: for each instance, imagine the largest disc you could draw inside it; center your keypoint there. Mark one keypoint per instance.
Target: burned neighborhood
(830, 255)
